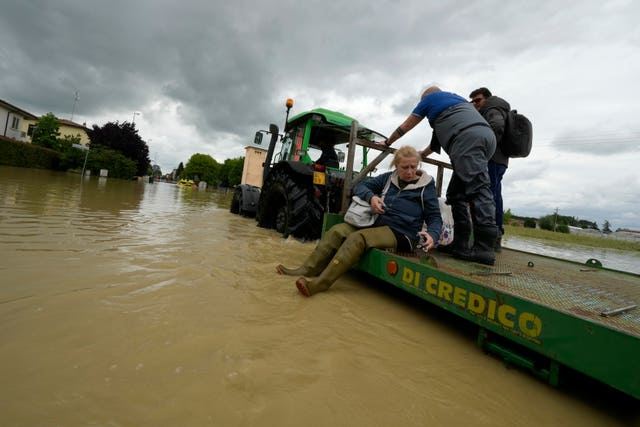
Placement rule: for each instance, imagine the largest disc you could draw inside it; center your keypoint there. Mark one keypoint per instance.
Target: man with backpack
(467, 138)
(495, 111)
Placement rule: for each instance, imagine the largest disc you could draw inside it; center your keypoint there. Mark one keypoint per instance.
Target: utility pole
(76, 97)
(555, 220)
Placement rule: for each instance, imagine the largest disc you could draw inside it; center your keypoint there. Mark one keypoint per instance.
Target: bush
(21, 154)
(530, 223)
(72, 159)
(118, 165)
(562, 228)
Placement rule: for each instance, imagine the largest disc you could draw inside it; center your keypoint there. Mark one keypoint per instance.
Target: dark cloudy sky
(205, 75)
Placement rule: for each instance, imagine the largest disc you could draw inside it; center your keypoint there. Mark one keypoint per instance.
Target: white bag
(446, 233)
(360, 213)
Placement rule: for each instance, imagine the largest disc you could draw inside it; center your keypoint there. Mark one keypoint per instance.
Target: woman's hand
(427, 240)
(377, 204)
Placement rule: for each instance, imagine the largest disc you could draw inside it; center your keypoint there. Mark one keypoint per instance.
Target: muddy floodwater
(132, 304)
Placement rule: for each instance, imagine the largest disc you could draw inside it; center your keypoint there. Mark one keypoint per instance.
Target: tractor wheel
(236, 201)
(282, 219)
(288, 204)
(241, 210)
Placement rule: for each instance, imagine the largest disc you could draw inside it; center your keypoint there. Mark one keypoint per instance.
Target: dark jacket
(495, 111)
(404, 211)
(329, 157)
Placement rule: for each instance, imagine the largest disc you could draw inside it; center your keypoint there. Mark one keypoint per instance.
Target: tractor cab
(320, 138)
(308, 170)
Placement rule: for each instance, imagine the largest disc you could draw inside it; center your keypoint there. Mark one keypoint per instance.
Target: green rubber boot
(322, 254)
(347, 256)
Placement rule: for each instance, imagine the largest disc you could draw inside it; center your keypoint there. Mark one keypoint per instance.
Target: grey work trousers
(469, 153)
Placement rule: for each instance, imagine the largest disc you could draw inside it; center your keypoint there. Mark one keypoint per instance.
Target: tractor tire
(236, 201)
(288, 204)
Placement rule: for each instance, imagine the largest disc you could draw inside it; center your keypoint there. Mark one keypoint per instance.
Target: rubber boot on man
(485, 234)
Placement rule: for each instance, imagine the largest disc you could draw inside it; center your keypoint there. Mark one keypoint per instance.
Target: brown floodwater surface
(130, 304)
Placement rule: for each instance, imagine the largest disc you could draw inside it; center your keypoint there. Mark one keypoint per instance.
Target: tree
(547, 222)
(124, 139)
(231, 172)
(555, 222)
(203, 166)
(179, 171)
(507, 216)
(47, 132)
(606, 227)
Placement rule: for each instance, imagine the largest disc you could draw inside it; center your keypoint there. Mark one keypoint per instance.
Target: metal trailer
(540, 313)
(536, 312)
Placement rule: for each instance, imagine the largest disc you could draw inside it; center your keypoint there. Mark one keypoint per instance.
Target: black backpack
(518, 135)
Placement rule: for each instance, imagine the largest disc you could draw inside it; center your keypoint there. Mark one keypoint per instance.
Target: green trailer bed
(537, 312)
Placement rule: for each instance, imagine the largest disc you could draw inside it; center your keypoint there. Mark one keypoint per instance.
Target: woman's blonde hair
(404, 152)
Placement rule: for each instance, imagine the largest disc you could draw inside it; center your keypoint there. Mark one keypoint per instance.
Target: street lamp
(135, 113)
(85, 148)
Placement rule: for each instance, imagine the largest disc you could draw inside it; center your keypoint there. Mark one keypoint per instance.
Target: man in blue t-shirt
(469, 141)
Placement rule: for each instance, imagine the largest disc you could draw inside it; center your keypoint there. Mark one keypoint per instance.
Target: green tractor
(306, 170)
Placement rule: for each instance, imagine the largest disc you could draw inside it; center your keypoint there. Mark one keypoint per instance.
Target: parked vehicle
(186, 183)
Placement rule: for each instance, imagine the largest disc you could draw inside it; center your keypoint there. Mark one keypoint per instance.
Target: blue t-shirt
(435, 103)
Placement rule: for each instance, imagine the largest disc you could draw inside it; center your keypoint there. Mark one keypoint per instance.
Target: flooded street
(612, 259)
(131, 304)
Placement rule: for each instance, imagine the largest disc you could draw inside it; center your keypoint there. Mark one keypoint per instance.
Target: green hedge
(16, 153)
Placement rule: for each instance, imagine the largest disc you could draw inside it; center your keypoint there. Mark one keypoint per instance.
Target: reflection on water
(123, 303)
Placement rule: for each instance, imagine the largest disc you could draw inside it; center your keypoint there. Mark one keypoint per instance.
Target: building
(19, 124)
(13, 121)
(253, 166)
(67, 128)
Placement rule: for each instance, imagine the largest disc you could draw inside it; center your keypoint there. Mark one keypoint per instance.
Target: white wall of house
(11, 125)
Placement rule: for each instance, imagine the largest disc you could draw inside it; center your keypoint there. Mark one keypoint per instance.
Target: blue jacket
(403, 210)
(448, 114)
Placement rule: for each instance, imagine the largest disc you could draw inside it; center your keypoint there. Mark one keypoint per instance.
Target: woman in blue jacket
(410, 201)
